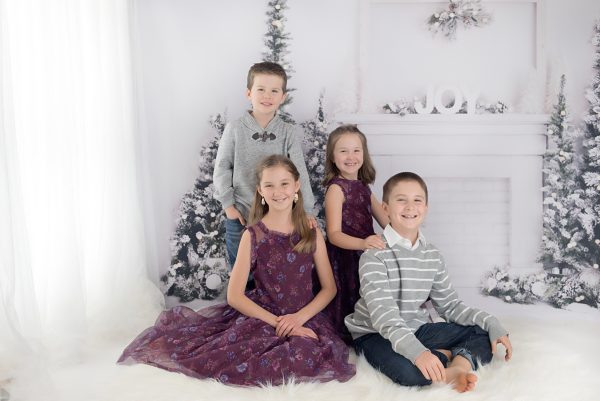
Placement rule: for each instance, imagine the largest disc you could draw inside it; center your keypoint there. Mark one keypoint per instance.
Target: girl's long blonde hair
(299, 218)
(366, 173)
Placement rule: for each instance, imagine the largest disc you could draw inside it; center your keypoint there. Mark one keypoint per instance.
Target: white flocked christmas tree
(563, 251)
(590, 174)
(198, 268)
(276, 42)
(276, 48)
(571, 271)
(315, 144)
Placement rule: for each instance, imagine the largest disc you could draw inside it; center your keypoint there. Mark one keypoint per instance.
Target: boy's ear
(248, 93)
(384, 205)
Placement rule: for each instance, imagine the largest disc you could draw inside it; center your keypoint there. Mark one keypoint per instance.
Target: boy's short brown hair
(267, 68)
(404, 176)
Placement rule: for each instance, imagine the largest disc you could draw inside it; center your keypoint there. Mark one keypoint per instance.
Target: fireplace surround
(485, 177)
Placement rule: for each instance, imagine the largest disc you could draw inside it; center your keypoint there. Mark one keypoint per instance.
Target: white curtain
(72, 245)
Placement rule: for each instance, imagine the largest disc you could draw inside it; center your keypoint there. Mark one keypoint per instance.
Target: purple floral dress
(357, 221)
(221, 343)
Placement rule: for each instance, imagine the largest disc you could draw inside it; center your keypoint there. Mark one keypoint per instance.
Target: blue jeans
(471, 342)
(233, 235)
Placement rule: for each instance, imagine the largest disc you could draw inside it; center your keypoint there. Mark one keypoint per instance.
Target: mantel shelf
(502, 119)
(512, 131)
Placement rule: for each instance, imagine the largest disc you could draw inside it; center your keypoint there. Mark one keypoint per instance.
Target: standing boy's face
(406, 208)
(266, 94)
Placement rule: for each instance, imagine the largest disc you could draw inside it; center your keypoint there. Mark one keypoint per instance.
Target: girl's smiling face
(278, 187)
(348, 155)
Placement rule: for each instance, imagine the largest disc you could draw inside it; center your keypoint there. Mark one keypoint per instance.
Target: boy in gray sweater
(390, 326)
(258, 133)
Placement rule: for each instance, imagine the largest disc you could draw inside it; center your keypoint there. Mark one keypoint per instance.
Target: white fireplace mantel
(479, 134)
(504, 149)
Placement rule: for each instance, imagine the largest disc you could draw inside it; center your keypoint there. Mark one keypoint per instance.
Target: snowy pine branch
(590, 174)
(276, 47)
(562, 245)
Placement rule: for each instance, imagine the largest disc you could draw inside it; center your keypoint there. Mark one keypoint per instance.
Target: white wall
(193, 56)
(569, 28)
(398, 46)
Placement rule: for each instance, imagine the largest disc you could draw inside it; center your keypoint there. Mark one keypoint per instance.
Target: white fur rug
(556, 357)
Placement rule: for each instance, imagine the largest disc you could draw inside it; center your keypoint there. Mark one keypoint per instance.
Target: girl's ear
(297, 186)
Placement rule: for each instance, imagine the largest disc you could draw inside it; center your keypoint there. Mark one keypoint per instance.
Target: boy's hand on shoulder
(232, 213)
(431, 367)
(373, 242)
(312, 222)
(504, 340)
(304, 332)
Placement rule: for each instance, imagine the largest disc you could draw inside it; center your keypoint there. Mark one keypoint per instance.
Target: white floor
(556, 357)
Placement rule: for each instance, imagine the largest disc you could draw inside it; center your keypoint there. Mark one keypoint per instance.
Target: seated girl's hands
(373, 242)
(287, 323)
(304, 332)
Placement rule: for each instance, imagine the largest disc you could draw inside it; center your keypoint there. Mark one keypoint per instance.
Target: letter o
(458, 100)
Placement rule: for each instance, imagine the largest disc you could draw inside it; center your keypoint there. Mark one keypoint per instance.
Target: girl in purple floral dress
(274, 332)
(349, 209)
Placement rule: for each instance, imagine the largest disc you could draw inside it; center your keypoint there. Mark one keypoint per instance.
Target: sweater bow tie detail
(264, 136)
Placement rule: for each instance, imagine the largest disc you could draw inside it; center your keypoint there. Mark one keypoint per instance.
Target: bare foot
(461, 378)
(464, 381)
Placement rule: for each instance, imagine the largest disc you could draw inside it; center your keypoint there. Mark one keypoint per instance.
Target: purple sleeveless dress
(357, 221)
(221, 343)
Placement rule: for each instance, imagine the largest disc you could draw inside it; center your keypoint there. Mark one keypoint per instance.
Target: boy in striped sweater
(390, 326)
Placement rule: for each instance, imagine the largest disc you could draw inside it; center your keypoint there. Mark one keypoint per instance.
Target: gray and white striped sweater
(394, 283)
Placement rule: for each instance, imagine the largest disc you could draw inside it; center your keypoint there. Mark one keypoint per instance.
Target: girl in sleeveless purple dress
(274, 332)
(349, 209)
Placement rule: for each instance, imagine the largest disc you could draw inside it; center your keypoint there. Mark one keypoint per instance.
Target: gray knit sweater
(241, 149)
(394, 283)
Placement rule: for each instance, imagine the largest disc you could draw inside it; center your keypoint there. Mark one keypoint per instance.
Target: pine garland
(523, 289)
(558, 291)
(468, 13)
(403, 107)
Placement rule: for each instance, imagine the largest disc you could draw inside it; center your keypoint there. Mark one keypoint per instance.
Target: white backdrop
(403, 59)
(192, 58)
